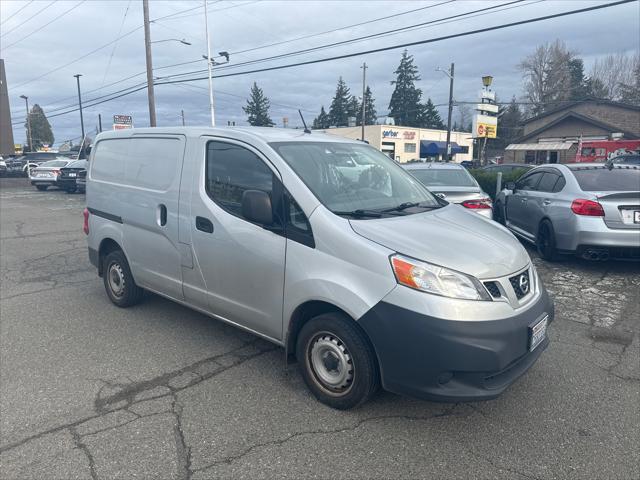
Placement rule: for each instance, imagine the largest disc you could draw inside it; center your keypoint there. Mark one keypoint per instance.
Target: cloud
(240, 25)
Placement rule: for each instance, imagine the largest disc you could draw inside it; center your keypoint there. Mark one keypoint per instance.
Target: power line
(365, 37)
(115, 45)
(16, 12)
(25, 21)
(39, 29)
(366, 52)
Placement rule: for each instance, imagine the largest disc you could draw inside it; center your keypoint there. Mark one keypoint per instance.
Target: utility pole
(100, 122)
(26, 102)
(206, 27)
(147, 47)
(450, 112)
(78, 75)
(364, 105)
(182, 115)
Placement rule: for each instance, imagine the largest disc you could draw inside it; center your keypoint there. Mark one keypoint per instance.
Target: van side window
(297, 224)
(108, 160)
(231, 170)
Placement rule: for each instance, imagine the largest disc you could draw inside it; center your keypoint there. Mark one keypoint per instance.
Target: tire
(546, 241)
(118, 281)
(70, 190)
(42, 188)
(337, 362)
(498, 213)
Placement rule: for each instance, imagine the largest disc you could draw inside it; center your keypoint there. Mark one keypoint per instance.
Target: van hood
(451, 237)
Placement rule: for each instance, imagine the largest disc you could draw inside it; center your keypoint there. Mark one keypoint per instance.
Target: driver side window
(529, 182)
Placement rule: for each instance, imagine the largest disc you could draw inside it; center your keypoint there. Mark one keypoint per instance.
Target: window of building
(231, 170)
(409, 148)
(464, 148)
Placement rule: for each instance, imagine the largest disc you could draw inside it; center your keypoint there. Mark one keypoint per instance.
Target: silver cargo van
(364, 276)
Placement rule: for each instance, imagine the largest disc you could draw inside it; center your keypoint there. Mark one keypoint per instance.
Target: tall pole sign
(485, 120)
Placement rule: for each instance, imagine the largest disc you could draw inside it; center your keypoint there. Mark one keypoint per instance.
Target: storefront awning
(429, 148)
(539, 146)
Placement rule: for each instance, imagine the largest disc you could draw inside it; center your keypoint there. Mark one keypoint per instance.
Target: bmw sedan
(453, 183)
(588, 209)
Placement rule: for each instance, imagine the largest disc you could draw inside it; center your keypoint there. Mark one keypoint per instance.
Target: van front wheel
(336, 361)
(118, 281)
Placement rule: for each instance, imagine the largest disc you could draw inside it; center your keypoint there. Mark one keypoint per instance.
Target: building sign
(389, 134)
(121, 122)
(407, 135)
(485, 126)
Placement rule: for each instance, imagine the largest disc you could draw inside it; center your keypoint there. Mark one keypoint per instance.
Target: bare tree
(464, 116)
(614, 71)
(547, 76)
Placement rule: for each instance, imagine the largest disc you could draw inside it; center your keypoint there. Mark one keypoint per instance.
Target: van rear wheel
(337, 362)
(118, 281)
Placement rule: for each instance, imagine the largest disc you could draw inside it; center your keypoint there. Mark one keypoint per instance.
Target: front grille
(493, 289)
(521, 284)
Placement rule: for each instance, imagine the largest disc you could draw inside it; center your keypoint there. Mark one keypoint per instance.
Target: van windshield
(354, 178)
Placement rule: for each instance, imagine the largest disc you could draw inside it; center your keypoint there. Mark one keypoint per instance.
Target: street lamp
(26, 101)
(449, 73)
(183, 41)
(486, 81)
(78, 75)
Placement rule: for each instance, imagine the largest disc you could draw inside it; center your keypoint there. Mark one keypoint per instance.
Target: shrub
(487, 179)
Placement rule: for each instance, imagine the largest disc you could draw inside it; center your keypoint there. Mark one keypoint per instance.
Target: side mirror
(256, 207)
(510, 186)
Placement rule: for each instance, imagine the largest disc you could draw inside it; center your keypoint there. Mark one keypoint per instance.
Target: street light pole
(451, 74)
(26, 102)
(78, 75)
(364, 104)
(147, 47)
(206, 27)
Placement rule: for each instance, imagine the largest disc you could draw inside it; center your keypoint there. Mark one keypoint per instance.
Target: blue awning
(430, 149)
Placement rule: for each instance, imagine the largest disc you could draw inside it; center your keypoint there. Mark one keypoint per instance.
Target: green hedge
(487, 179)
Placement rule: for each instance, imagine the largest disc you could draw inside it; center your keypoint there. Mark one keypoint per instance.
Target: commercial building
(407, 143)
(553, 137)
(6, 131)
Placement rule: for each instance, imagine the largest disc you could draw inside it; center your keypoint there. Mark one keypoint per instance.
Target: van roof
(265, 134)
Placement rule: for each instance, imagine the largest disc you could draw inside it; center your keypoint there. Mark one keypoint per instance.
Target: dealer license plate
(537, 333)
(636, 216)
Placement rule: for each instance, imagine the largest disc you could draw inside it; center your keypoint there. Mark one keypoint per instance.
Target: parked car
(81, 181)
(467, 164)
(23, 164)
(453, 183)
(507, 168)
(46, 174)
(68, 175)
(587, 209)
(3, 167)
(257, 227)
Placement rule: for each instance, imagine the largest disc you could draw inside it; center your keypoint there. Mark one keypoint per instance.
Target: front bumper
(453, 360)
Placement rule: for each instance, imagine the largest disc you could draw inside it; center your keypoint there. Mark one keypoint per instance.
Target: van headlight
(437, 280)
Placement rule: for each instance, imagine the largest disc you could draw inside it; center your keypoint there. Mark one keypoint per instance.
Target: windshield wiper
(359, 213)
(405, 205)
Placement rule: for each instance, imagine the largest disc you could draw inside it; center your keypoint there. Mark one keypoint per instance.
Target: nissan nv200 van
(364, 276)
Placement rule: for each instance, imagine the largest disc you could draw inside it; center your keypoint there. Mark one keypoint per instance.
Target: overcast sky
(42, 52)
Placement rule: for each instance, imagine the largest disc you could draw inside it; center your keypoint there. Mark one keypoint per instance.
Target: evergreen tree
(509, 124)
(257, 108)
(370, 109)
(322, 120)
(41, 133)
(579, 84)
(339, 109)
(429, 117)
(354, 108)
(404, 105)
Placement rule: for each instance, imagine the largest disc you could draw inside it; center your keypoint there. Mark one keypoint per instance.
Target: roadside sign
(121, 122)
(484, 126)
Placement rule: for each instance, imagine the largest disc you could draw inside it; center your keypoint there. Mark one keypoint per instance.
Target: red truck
(601, 150)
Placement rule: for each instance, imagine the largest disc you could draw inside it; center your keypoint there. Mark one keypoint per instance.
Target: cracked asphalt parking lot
(88, 390)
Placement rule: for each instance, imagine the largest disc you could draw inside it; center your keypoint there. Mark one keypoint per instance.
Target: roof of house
(578, 116)
(567, 105)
